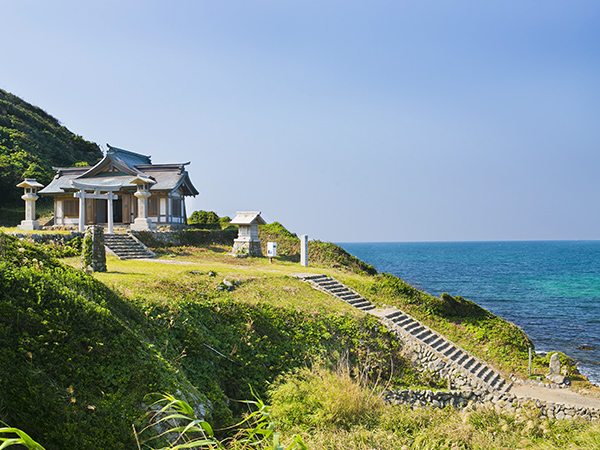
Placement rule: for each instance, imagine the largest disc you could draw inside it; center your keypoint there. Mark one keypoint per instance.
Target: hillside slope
(31, 143)
(78, 358)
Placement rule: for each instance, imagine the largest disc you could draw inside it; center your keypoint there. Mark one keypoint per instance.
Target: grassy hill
(31, 142)
(80, 353)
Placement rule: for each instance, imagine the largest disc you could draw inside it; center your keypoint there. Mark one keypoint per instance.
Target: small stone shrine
(93, 253)
(30, 196)
(247, 242)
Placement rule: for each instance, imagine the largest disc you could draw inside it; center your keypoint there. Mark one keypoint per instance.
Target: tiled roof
(110, 172)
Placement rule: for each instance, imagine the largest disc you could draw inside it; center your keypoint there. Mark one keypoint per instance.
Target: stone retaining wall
(44, 238)
(477, 398)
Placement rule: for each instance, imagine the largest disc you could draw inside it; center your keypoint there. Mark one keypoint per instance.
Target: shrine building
(124, 188)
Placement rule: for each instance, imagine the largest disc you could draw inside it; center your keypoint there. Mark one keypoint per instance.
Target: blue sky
(343, 120)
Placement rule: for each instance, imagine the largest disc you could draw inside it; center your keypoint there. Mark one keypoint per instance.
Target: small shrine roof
(248, 218)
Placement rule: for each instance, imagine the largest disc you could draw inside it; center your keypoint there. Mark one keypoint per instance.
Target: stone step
(367, 307)
(481, 373)
(417, 330)
(356, 301)
(395, 316)
(452, 352)
(460, 361)
(440, 345)
(469, 362)
(411, 326)
(349, 298)
(126, 247)
(423, 335)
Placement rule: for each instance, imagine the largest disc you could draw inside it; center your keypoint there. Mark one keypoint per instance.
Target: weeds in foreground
(8, 438)
(182, 429)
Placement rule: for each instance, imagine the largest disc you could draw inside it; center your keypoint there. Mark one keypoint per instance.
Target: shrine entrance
(101, 207)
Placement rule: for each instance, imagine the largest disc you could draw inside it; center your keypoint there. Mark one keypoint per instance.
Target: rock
(556, 378)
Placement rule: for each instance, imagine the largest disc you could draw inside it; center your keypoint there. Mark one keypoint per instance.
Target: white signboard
(271, 249)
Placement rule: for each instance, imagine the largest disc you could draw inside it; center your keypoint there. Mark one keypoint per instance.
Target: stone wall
(478, 398)
(44, 238)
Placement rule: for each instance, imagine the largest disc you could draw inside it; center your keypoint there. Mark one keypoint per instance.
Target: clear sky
(344, 120)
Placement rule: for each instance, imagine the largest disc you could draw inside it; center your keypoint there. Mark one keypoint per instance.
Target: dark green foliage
(31, 142)
(73, 368)
(288, 244)
(259, 342)
(206, 220)
(278, 230)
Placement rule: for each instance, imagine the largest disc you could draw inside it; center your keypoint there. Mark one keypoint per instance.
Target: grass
(321, 406)
(189, 271)
(15, 230)
(500, 343)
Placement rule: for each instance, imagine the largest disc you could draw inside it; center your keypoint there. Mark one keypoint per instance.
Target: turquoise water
(550, 289)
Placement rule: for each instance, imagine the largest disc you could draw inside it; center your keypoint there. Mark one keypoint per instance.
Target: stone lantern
(247, 242)
(142, 222)
(30, 196)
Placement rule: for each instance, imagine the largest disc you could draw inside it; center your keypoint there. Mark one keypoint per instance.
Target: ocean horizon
(549, 288)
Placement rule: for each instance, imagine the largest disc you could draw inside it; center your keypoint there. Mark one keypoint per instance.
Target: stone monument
(30, 186)
(555, 375)
(247, 243)
(93, 253)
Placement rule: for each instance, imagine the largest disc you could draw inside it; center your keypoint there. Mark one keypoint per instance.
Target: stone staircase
(332, 286)
(412, 330)
(448, 351)
(125, 246)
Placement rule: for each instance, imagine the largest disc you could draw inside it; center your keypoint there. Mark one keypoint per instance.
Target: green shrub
(208, 220)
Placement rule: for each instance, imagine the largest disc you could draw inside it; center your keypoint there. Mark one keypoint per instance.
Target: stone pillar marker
(30, 186)
(304, 250)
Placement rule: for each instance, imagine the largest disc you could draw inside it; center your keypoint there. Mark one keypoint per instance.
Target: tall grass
(336, 409)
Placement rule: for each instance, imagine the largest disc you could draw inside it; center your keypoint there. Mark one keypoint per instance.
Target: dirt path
(554, 395)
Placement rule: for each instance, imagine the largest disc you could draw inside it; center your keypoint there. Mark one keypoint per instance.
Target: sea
(551, 289)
